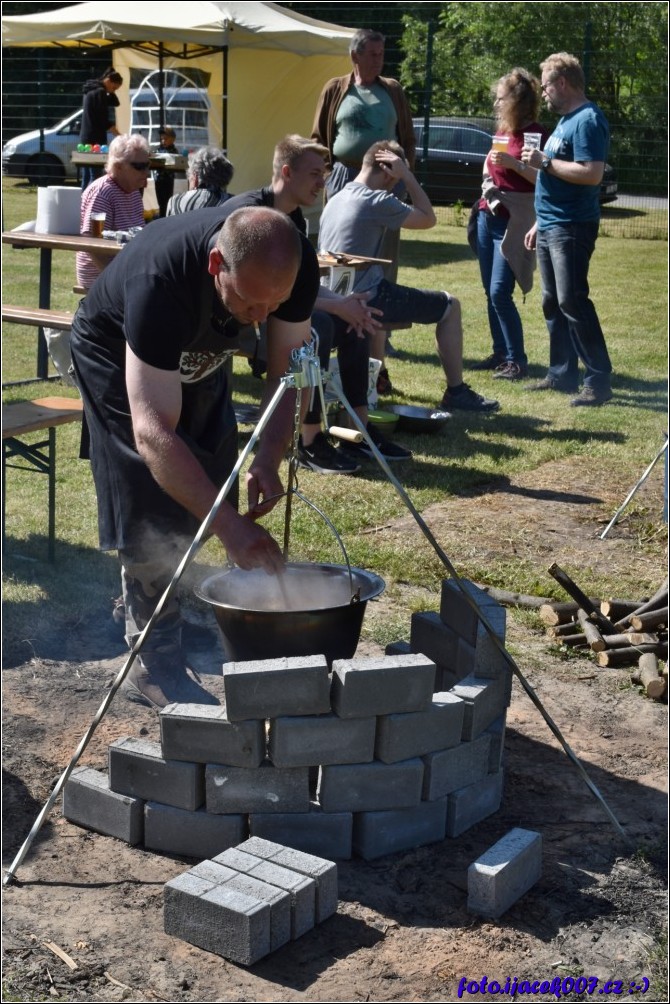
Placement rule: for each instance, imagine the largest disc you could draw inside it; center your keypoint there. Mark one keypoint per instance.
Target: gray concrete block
(383, 686)
(326, 834)
(470, 805)
(365, 787)
(89, 802)
(380, 833)
(489, 661)
(485, 700)
(137, 768)
(401, 737)
(268, 688)
(301, 889)
(198, 834)
(451, 769)
(278, 900)
(217, 918)
(435, 640)
(497, 732)
(201, 733)
(322, 871)
(266, 789)
(310, 740)
(498, 878)
(457, 613)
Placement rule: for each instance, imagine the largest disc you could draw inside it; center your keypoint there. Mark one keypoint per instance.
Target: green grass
(629, 287)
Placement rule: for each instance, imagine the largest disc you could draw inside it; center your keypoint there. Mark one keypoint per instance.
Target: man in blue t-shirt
(570, 169)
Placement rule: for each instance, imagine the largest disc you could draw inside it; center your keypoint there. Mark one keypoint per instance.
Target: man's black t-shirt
(158, 296)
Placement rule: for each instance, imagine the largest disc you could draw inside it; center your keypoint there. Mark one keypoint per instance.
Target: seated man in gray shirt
(355, 220)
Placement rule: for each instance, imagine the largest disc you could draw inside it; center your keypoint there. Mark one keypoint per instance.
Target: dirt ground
(402, 931)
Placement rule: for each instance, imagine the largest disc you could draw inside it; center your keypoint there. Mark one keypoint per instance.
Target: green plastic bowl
(384, 421)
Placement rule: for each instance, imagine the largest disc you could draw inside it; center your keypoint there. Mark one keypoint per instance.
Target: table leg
(44, 301)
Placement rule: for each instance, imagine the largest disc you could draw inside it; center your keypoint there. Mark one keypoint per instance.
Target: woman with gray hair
(117, 196)
(209, 174)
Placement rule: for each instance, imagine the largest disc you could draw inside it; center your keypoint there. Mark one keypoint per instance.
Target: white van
(23, 158)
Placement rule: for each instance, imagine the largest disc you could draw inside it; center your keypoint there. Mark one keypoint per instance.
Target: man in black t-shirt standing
(148, 344)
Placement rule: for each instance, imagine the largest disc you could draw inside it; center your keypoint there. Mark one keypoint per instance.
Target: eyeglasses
(544, 87)
(144, 166)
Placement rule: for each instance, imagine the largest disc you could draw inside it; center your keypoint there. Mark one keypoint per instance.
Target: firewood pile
(616, 632)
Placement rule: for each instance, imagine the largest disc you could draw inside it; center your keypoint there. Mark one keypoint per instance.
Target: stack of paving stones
(379, 756)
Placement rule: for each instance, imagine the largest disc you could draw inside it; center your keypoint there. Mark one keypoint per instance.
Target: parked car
(450, 170)
(23, 158)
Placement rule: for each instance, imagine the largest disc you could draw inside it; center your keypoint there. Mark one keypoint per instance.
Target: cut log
(614, 609)
(509, 599)
(647, 675)
(651, 619)
(573, 640)
(629, 639)
(591, 632)
(572, 589)
(623, 656)
(559, 630)
(559, 613)
(659, 599)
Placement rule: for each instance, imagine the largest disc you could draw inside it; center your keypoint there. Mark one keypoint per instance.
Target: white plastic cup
(532, 140)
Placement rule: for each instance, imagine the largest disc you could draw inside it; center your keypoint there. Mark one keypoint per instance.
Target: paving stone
(278, 900)
(485, 700)
(310, 740)
(470, 805)
(380, 833)
(326, 834)
(506, 871)
(322, 871)
(198, 834)
(370, 786)
(89, 802)
(137, 768)
(301, 889)
(382, 686)
(268, 688)
(401, 737)
(217, 918)
(265, 789)
(457, 613)
(451, 769)
(201, 733)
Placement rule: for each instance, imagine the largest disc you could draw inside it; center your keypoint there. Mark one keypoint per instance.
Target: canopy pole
(224, 102)
(161, 93)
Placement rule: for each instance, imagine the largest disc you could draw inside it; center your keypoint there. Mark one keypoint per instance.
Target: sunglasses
(144, 166)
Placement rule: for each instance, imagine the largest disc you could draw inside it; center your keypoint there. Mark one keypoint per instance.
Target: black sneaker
(324, 458)
(390, 451)
(467, 400)
(491, 362)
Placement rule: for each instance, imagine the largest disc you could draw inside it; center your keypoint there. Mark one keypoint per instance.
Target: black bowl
(415, 419)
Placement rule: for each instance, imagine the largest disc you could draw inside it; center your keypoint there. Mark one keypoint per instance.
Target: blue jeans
(498, 281)
(563, 256)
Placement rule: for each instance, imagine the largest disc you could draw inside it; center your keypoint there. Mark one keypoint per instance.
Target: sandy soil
(402, 931)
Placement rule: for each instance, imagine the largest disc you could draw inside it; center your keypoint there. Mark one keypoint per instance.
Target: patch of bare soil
(402, 931)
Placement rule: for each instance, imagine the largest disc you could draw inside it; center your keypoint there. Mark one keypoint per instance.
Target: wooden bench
(39, 317)
(22, 417)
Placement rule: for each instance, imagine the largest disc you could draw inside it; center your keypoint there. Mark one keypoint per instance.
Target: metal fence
(42, 86)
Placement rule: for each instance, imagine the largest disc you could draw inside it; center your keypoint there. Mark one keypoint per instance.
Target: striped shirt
(123, 210)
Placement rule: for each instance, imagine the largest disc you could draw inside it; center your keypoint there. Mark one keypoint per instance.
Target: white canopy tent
(266, 65)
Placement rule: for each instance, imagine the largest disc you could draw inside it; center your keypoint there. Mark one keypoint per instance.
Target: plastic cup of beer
(499, 144)
(98, 223)
(532, 140)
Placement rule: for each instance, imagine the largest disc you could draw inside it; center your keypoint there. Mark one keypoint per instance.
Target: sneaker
(324, 458)
(510, 371)
(384, 385)
(589, 397)
(467, 400)
(549, 384)
(491, 362)
(390, 451)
